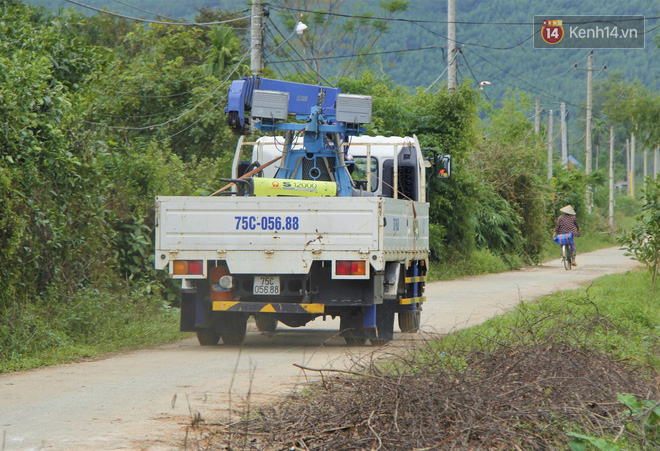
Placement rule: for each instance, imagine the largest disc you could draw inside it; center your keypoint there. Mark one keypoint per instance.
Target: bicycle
(565, 240)
(567, 256)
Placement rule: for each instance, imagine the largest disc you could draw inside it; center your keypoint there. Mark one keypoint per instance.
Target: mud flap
(385, 320)
(188, 303)
(202, 306)
(352, 325)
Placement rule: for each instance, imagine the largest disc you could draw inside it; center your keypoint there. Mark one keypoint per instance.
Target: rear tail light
(188, 267)
(358, 268)
(350, 268)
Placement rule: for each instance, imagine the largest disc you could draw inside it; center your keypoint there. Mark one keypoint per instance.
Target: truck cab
(376, 164)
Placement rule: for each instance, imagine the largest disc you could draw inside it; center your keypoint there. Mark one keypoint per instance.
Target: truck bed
(283, 235)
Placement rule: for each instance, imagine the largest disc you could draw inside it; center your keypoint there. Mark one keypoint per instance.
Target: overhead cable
(137, 19)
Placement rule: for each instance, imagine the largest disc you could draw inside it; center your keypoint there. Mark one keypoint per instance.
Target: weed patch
(54, 330)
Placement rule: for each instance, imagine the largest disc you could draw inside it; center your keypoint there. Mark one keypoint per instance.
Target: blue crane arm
(302, 98)
(324, 120)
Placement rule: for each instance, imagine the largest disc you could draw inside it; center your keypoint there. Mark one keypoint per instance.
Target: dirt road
(144, 399)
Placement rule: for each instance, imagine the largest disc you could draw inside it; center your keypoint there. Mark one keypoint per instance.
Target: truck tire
(234, 328)
(208, 337)
(265, 322)
(409, 321)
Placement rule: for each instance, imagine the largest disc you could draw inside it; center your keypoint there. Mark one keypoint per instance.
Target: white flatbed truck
(286, 259)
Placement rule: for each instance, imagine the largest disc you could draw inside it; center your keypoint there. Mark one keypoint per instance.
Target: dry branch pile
(515, 398)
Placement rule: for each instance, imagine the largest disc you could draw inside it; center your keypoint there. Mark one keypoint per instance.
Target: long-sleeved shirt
(567, 224)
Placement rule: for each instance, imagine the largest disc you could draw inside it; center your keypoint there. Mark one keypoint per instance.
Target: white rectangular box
(354, 109)
(270, 104)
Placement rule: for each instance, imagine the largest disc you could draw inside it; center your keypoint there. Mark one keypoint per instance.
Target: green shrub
(478, 262)
(627, 205)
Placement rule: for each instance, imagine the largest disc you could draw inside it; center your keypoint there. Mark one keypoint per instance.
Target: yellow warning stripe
(408, 301)
(223, 305)
(314, 308)
(268, 308)
(415, 279)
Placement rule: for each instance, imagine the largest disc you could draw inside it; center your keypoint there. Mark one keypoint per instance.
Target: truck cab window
(360, 172)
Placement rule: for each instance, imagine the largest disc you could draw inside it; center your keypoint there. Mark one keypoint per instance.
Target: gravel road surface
(145, 399)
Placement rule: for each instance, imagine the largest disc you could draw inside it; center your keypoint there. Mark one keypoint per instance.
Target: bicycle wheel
(566, 256)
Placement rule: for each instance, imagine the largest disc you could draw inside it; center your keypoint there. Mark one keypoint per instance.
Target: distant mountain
(495, 40)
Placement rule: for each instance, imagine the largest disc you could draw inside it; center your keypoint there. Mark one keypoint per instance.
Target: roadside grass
(479, 262)
(616, 314)
(577, 369)
(93, 322)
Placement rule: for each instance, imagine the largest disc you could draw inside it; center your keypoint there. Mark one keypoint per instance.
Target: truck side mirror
(443, 166)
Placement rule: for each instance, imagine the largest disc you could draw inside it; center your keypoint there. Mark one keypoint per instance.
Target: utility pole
(451, 46)
(628, 163)
(564, 150)
(587, 165)
(656, 155)
(256, 38)
(632, 165)
(550, 145)
(611, 177)
(644, 155)
(537, 116)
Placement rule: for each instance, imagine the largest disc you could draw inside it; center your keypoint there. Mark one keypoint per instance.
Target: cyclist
(567, 223)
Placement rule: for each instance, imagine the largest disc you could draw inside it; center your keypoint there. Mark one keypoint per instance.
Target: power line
(142, 10)
(352, 16)
(524, 81)
(384, 52)
(475, 77)
(475, 43)
(182, 24)
(295, 64)
(299, 55)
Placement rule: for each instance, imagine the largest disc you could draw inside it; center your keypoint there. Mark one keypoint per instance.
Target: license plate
(266, 285)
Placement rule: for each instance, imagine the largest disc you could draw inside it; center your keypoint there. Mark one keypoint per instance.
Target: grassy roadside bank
(94, 322)
(577, 369)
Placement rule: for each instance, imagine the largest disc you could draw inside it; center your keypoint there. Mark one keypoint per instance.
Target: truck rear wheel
(265, 322)
(234, 327)
(409, 321)
(208, 337)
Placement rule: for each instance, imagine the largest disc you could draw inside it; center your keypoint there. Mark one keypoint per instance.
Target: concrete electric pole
(588, 157)
(537, 116)
(452, 80)
(628, 163)
(550, 149)
(564, 148)
(632, 165)
(256, 38)
(645, 167)
(611, 177)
